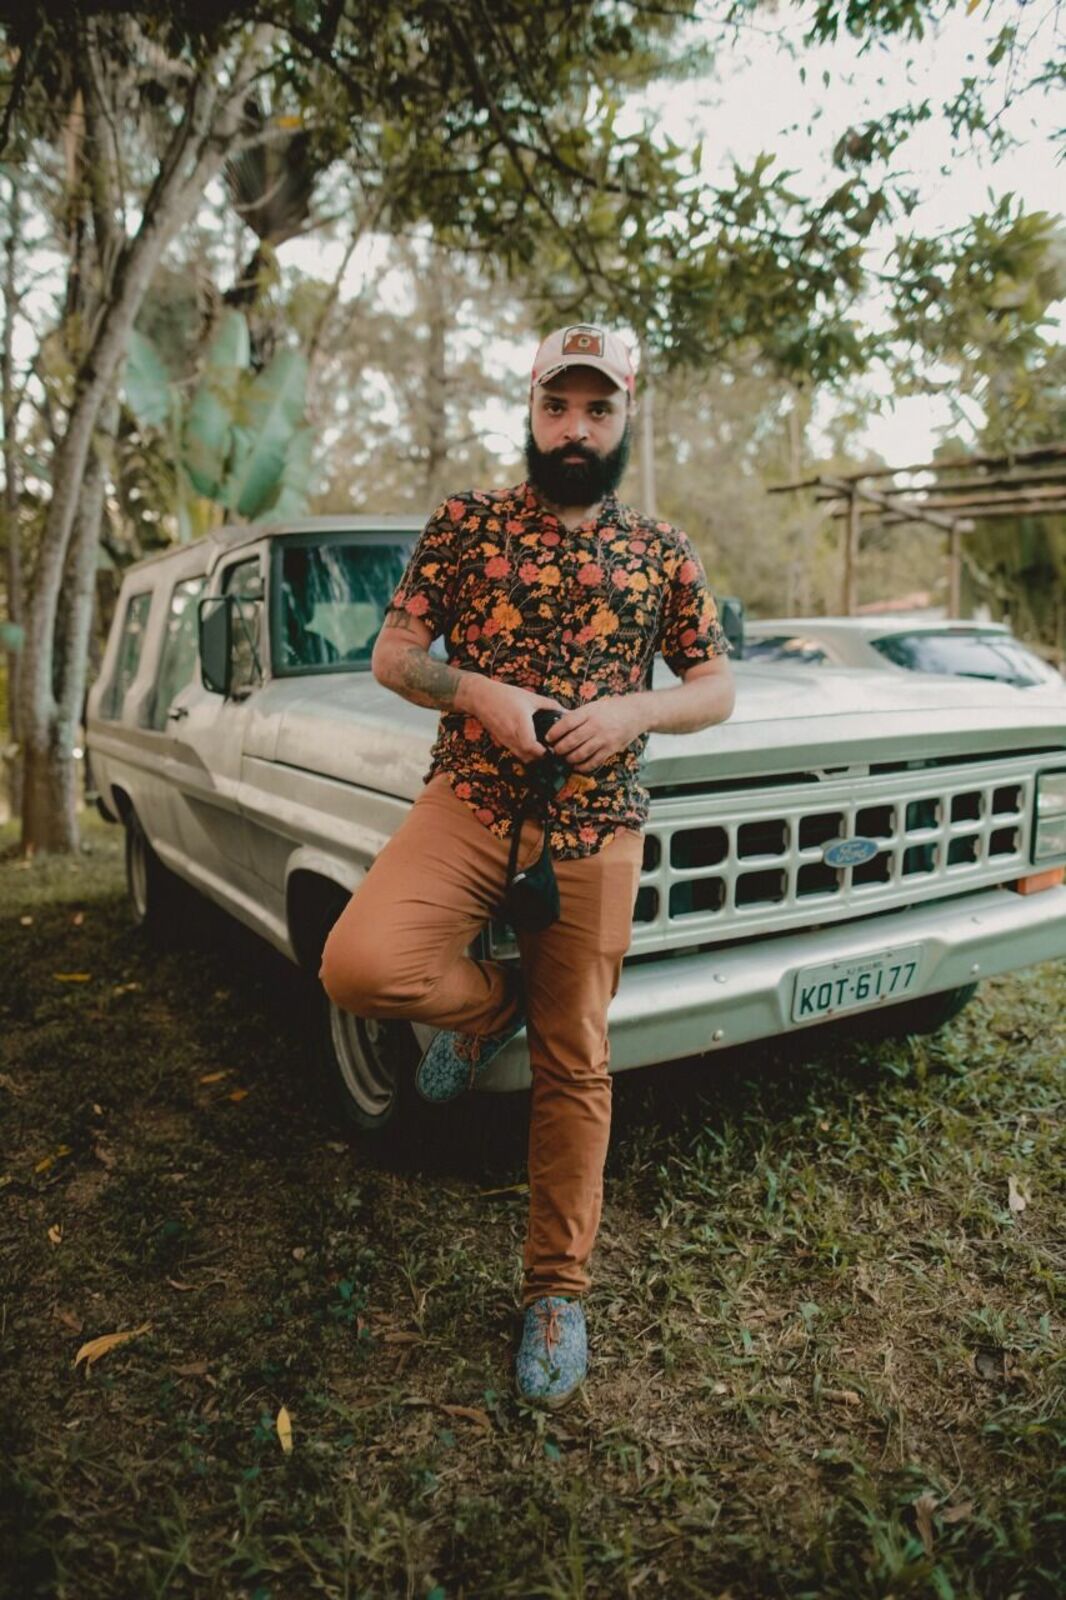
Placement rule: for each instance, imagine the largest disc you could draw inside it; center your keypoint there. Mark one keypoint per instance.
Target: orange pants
(399, 950)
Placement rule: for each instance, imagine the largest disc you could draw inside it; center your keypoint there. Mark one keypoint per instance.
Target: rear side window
(130, 646)
(177, 659)
(968, 655)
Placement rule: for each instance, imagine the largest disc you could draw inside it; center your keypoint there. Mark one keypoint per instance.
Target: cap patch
(583, 341)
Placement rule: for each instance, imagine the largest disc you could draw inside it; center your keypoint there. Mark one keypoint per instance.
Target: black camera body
(551, 770)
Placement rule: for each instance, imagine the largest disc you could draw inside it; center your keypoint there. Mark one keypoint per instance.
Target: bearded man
(551, 595)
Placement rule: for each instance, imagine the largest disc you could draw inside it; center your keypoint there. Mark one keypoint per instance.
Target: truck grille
(754, 861)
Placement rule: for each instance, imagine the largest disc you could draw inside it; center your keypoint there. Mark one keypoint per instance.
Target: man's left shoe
(553, 1356)
(454, 1061)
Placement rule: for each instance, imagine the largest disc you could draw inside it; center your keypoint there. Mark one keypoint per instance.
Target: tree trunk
(12, 531)
(435, 396)
(198, 149)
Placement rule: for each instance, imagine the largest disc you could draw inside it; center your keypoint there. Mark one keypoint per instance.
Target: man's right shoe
(553, 1356)
(454, 1061)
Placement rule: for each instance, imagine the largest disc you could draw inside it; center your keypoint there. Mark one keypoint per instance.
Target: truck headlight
(1049, 834)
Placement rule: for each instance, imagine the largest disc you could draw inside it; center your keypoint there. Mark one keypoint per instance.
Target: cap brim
(596, 362)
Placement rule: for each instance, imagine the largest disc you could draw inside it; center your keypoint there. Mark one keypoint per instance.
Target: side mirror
(731, 616)
(216, 643)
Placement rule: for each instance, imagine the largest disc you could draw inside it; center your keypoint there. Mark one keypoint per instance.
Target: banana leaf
(273, 410)
(208, 437)
(292, 495)
(147, 386)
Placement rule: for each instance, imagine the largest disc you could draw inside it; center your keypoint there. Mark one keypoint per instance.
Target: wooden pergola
(956, 491)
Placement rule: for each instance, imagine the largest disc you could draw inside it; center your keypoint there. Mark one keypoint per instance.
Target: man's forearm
(685, 707)
(410, 671)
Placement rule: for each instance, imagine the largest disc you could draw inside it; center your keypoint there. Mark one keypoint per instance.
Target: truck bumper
(688, 1005)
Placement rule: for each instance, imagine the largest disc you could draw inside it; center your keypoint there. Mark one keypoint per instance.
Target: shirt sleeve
(426, 589)
(690, 631)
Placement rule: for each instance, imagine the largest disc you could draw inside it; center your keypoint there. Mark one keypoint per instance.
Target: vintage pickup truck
(850, 843)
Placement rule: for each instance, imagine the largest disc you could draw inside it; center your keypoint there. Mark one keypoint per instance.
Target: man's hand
(587, 736)
(506, 712)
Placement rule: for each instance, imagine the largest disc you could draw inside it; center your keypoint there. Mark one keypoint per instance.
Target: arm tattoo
(427, 682)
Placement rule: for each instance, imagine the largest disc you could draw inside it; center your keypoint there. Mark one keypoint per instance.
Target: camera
(552, 770)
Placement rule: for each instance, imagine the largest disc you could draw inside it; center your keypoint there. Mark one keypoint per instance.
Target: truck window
(998, 656)
(244, 581)
(177, 659)
(129, 653)
(332, 601)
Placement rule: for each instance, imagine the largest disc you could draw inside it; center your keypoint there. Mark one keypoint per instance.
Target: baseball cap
(584, 344)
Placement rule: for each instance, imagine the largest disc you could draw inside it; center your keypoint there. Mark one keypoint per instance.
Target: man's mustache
(562, 451)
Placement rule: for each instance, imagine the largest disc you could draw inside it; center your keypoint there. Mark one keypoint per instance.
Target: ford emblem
(849, 852)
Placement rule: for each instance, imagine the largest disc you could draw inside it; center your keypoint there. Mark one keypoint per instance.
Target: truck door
(209, 736)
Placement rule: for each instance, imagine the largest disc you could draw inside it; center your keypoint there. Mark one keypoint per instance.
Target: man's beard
(575, 483)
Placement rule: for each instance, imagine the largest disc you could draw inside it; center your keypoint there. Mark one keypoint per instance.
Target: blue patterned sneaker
(553, 1356)
(454, 1061)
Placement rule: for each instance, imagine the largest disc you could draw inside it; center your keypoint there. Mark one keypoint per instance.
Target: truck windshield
(330, 600)
(968, 655)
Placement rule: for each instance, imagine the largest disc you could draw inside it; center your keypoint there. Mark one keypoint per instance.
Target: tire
(370, 1066)
(151, 887)
(928, 1014)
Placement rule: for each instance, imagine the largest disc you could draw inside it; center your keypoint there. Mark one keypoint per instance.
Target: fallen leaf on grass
(72, 977)
(69, 1319)
(957, 1513)
(96, 1348)
(25, 922)
(509, 1188)
(49, 1161)
(191, 1369)
(239, 1094)
(213, 1077)
(104, 1154)
(77, 919)
(399, 1337)
(186, 1288)
(1016, 1199)
(55, 1233)
(7, 1082)
(470, 1414)
(924, 1507)
(849, 1397)
(124, 988)
(284, 1427)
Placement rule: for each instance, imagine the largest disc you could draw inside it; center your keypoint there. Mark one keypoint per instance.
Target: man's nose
(577, 428)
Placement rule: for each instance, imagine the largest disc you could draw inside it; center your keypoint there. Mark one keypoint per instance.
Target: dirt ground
(826, 1321)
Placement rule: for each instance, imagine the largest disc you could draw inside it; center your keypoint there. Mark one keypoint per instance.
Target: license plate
(848, 985)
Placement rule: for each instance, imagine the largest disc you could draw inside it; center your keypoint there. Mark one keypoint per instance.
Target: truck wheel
(370, 1063)
(151, 887)
(928, 1014)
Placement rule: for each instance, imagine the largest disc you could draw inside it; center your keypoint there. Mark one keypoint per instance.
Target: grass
(828, 1353)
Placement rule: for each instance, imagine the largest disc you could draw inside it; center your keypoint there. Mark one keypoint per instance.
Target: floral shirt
(572, 613)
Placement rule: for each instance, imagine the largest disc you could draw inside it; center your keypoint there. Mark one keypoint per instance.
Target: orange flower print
(689, 572)
(497, 567)
(529, 572)
(603, 623)
(463, 791)
(620, 578)
(591, 575)
(551, 577)
(587, 835)
(417, 605)
(550, 537)
(638, 582)
(506, 615)
(472, 730)
(587, 691)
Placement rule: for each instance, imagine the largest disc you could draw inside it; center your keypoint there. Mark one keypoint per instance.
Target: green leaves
(241, 443)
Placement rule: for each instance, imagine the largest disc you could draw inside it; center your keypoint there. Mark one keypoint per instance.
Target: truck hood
(786, 720)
